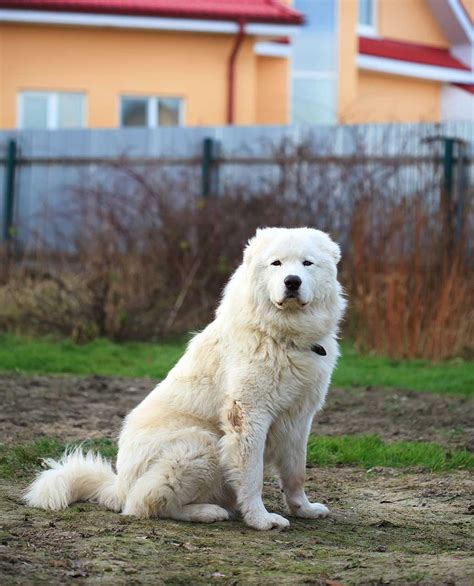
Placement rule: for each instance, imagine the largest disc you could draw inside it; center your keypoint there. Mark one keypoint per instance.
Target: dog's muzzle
(292, 284)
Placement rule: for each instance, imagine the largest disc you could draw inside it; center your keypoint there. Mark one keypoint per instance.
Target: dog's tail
(75, 477)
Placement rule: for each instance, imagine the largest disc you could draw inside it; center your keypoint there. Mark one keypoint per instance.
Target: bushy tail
(76, 477)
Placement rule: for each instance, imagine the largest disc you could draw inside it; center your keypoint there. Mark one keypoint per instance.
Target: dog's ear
(328, 245)
(334, 250)
(252, 245)
(248, 250)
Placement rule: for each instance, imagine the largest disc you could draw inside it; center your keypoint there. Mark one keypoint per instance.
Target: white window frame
(303, 74)
(306, 75)
(315, 74)
(368, 30)
(52, 110)
(151, 109)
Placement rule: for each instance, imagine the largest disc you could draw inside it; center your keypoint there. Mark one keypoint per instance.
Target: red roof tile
(465, 86)
(402, 51)
(266, 11)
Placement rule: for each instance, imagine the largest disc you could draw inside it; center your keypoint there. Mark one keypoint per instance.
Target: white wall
(456, 104)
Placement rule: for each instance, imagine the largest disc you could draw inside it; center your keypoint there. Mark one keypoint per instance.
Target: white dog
(243, 395)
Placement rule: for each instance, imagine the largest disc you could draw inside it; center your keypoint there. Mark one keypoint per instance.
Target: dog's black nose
(292, 282)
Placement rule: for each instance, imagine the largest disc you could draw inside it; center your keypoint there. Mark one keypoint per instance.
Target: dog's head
(292, 268)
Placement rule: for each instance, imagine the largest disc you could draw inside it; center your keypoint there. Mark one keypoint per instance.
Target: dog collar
(318, 349)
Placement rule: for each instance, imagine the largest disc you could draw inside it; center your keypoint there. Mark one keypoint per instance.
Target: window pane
(134, 112)
(34, 111)
(314, 101)
(314, 48)
(366, 12)
(168, 111)
(70, 110)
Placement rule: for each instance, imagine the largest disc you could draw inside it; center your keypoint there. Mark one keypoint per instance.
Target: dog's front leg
(242, 450)
(291, 464)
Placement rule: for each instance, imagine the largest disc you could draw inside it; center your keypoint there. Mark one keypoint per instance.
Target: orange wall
(374, 97)
(347, 54)
(409, 20)
(468, 6)
(272, 90)
(390, 98)
(106, 63)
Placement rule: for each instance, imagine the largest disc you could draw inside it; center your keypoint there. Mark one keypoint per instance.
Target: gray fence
(41, 169)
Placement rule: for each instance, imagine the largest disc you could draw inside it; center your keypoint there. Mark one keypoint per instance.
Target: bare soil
(387, 527)
(69, 407)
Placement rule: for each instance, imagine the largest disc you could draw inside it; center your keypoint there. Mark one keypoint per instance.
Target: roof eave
(212, 25)
(284, 16)
(411, 69)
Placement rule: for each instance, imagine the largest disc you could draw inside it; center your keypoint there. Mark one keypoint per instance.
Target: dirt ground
(69, 408)
(387, 527)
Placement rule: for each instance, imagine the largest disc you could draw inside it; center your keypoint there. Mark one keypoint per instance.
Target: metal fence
(41, 169)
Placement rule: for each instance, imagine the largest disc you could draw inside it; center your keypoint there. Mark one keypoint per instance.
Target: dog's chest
(300, 376)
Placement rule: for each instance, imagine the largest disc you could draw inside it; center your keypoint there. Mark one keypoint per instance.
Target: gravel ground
(387, 527)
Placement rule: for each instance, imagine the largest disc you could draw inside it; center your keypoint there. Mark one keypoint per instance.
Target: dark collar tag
(318, 349)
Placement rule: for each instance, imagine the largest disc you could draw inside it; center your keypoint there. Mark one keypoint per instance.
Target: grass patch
(369, 450)
(454, 376)
(21, 459)
(364, 451)
(155, 360)
(101, 356)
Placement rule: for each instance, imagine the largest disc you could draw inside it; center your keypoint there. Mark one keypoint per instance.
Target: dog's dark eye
(307, 263)
(276, 263)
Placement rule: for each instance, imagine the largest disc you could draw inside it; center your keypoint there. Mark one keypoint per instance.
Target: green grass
(454, 376)
(154, 360)
(363, 451)
(21, 459)
(368, 451)
(102, 357)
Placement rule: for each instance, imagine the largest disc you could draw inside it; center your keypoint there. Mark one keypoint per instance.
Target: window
(150, 111)
(313, 88)
(313, 100)
(51, 110)
(134, 112)
(366, 17)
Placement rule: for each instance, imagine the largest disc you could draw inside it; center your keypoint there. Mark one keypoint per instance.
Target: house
(358, 61)
(109, 63)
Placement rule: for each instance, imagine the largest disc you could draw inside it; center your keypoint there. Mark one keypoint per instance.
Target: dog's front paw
(264, 522)
(312, 511)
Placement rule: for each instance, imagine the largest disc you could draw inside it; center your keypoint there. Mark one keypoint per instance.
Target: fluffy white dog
(243, 395)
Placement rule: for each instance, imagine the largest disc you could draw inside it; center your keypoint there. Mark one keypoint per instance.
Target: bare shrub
(411, 296)
(132, 270)
(140, 257)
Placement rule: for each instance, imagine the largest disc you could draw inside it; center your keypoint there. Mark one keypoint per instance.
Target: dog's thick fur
(244, 394)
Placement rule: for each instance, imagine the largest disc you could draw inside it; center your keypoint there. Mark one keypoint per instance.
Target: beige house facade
(113, 63)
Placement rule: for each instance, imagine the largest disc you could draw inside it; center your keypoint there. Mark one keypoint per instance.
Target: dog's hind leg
(174, 487)
(200, 513)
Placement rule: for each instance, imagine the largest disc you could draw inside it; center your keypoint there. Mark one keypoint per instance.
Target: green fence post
(209, 167)
(462, 188)
(447, 193)
(452, 191)
(448, 160)
(9, 195)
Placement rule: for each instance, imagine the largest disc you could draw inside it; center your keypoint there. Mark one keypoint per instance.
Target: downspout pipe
(231, 72)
